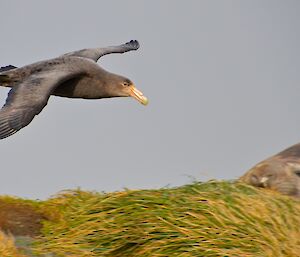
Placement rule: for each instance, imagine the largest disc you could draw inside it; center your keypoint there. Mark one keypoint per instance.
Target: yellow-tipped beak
(138, 95)
(264, 180)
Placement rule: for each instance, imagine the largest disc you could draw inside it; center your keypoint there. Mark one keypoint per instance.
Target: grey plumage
(96, 53)
(72, 75)
(280, 172)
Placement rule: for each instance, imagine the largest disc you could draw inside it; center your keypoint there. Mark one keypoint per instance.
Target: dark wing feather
(96, 53)
(13, 120)
(28, 98)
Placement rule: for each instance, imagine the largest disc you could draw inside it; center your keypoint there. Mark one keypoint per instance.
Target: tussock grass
(203, 219)
(7, 246)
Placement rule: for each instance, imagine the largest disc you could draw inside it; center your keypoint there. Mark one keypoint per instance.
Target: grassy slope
(202, 219)
(7, 247)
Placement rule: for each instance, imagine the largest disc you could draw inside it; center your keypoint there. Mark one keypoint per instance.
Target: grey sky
(222, 78)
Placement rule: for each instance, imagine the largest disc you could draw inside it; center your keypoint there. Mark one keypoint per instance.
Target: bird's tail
(4, 78)
(6, 68)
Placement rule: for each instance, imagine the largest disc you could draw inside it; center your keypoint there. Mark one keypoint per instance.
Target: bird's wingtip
(133, 44)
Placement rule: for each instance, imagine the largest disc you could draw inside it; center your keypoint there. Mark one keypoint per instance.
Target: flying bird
(73, 75)
(280, 172)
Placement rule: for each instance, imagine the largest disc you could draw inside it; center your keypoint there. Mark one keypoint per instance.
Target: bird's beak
(263, 181)
(138, 95)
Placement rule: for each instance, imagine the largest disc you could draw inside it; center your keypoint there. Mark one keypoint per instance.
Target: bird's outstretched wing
(96, 53)
(28, 98)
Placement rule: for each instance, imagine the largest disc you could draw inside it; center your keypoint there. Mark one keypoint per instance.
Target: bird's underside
(70, 75)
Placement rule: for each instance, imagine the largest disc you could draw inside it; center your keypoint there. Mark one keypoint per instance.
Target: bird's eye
(297, 172)
(254, 179)
(126, 83)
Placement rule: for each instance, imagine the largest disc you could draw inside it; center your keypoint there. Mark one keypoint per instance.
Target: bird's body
(73, 75)
(87, 83)
(280, 172)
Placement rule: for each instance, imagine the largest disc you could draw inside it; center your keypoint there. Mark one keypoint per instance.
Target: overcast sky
(222, 78)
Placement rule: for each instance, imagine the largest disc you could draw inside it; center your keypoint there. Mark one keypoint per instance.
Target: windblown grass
(203, 219)
(22, 217)
(7, 246)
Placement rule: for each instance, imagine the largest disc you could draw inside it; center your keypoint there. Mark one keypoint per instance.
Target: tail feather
(4, 78)
(6, 68)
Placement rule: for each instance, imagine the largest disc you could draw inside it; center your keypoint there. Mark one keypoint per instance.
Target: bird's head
(127, 88)
(119, 86)
(272, 173)
(264, 176)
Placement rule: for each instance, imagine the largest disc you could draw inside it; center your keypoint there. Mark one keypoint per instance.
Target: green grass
(202, 219)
